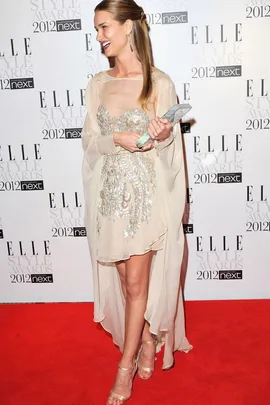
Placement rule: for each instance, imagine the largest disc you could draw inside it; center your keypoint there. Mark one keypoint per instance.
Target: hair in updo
(122, 11)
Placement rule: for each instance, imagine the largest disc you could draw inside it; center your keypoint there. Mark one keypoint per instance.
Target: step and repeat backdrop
(218, 56)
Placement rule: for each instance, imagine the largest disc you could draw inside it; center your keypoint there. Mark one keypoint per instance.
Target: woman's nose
(99, 36)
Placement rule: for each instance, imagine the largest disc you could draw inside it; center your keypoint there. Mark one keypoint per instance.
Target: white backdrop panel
(219, 60)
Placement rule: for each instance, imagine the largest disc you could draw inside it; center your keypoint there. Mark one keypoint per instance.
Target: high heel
(149, 370)
(113, 395)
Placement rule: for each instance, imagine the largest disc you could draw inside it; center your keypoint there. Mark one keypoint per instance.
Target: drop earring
(130, 43)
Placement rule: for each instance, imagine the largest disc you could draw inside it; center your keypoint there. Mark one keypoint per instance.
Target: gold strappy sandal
(113, 395)
(149, 370)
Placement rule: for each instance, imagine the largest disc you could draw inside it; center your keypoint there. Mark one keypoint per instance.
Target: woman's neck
(126, 66)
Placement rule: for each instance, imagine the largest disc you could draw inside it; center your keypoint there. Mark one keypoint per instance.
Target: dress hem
(159, 241)
(161, 342)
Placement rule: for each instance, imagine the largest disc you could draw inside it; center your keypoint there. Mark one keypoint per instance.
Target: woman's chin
(106, 52)
(109, 53)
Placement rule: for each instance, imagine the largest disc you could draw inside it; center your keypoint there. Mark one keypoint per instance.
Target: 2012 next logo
(216, 72)
(174, 17)
(17, 84)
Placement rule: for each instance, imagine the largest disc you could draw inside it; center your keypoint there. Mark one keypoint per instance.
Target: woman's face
(110, 33)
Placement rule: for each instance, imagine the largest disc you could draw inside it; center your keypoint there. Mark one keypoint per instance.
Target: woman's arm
(166, 98)
(94, 143)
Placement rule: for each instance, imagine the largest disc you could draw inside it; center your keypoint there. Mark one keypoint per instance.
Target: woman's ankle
(127, 362)
(146, 337)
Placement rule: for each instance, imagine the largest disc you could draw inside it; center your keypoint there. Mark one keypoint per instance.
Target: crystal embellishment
(128, 181)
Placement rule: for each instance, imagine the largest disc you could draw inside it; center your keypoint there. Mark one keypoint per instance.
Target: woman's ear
(128, 26)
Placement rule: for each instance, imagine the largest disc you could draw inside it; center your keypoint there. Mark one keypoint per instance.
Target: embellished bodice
(134, 119)
(128, 181)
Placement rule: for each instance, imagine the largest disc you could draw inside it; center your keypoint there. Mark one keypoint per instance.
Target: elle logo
(62, 201)
(250, 197)
(88, 42)
(31, 250)
(26, 50)
(61, 99)
(216, 144)
(209, 34)
(260, 88)
(210, 244)
(8, 154)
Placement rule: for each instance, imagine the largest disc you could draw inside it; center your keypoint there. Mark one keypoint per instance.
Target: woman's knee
(122, 280)
(135, 288)
(121, 268)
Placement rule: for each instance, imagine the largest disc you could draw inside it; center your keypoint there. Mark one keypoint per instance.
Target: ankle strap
(127, 368)
(150, 341)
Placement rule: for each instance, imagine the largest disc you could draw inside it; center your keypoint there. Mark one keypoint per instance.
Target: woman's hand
(128, 139)
(159, 129)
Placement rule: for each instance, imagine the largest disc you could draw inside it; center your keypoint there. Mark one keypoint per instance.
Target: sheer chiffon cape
(164, 311)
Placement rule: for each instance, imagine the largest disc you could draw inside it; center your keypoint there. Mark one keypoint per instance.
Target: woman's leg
(147, 353)
(121, 268)
(148, 350)
(137, 270)
(137, 284)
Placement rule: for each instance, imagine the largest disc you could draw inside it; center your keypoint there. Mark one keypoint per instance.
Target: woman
(134, 198)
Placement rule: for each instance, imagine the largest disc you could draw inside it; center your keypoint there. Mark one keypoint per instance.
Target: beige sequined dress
(134, 203)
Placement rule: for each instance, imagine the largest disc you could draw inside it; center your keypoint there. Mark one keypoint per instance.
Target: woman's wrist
(168, 136)
(116, 137)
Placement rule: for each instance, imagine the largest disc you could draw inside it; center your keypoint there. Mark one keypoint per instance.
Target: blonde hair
(122, 11)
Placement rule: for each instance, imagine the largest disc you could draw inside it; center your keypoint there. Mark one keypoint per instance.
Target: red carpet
(53, 354)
